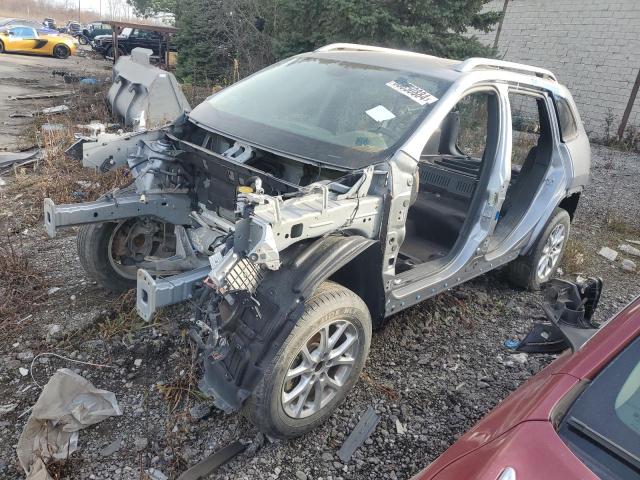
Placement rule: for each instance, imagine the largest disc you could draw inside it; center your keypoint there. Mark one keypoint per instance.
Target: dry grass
(573, 259)
(22, 284)
(185, 386)
(122, 320)
(57, 177)
(621, 226)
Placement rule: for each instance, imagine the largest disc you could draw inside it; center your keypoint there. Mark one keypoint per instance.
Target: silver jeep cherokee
(303, 205)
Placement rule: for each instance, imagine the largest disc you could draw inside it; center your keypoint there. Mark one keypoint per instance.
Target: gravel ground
(433, 371)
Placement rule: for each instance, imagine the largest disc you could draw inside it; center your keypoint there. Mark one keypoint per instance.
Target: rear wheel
(317, 365)
(61, 51)
(536, 268)
(82, 40)
(1, 47)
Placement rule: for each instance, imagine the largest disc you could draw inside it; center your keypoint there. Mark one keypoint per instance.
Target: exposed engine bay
(236, 211)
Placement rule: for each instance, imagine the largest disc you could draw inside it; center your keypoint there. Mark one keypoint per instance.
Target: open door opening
(451, 170)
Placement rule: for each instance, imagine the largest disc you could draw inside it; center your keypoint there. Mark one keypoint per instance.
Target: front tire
(316, 367)
(1, 47)
(61, 51)
(112, 252)
(533, 270)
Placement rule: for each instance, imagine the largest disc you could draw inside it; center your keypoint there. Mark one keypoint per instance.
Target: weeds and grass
(122, 320)
(56, 176)
(621, 226)
(184, 387)
(22, 284)
(573, 259)
(630, 141)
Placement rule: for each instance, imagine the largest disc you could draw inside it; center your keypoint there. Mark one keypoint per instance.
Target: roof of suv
(422, 63)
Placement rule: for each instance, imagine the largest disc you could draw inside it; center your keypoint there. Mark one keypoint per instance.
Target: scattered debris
(155, 474)
(112, 448)
(54, 110)
(53, 290)
(52, 127)
(21, 115)
(9, 159)
(137, 362)
(23, 371)
(521, 358)
(629, 265)
(511, 343)
(365, 427)
(635, 242)
(67, 404)
(69, 77)
(213, 462)
(400, 428)
(8, 408)
(608, 253)
(37, 96)
(628, 249)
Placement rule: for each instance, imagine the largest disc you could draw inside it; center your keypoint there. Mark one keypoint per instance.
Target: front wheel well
(363, 276)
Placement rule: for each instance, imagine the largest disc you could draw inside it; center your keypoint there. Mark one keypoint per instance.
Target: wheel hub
(320, 369)
(551, 252)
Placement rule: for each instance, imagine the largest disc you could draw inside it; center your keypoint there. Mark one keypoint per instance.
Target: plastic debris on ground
(68, 403)
(608, 253)
(363, 430)
(56, 109)
(511, 344)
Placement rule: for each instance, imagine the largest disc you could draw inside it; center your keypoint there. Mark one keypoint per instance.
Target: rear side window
(566, 120)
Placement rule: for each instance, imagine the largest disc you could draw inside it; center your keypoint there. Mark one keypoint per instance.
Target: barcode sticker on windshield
(414, 92)
(380, 113)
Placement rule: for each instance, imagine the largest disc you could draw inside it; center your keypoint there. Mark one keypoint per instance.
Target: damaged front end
(253, 234)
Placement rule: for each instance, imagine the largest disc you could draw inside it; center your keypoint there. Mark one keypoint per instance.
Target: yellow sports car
(21, 39)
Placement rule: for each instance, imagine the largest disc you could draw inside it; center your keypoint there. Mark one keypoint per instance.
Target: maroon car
(579, 418)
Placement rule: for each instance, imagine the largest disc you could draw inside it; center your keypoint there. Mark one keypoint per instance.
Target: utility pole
(78, 10)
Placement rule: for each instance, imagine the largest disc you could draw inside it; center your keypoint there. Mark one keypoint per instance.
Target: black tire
(1, 47)
(61, 51)
(82, 40)
(93, 251)
(109, 52)
(330, 303)
(523, 272)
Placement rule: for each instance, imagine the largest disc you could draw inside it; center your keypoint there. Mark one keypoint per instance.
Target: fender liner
(257, 325)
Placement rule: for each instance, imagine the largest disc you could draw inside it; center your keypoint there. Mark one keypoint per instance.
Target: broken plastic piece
(365, 427)
(213, 462)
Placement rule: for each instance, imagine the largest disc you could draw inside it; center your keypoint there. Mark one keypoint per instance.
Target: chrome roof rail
(355, 47)
(480, 63)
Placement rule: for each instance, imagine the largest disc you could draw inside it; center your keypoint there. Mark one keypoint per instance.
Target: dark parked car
(49, 23)
(578, 419)
(130, 39)
(94, 29)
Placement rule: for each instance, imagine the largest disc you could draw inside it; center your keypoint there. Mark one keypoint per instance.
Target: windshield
(336, 112)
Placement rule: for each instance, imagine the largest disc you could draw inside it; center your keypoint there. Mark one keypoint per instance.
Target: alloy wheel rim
(551, 252)
(320, 370)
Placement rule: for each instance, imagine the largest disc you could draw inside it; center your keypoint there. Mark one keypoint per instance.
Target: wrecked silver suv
(301, 206)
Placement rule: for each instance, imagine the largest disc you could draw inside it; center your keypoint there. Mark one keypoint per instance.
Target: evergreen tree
(219, 39)
(436, 27)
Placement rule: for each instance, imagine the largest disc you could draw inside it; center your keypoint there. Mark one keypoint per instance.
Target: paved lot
(30, 74)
